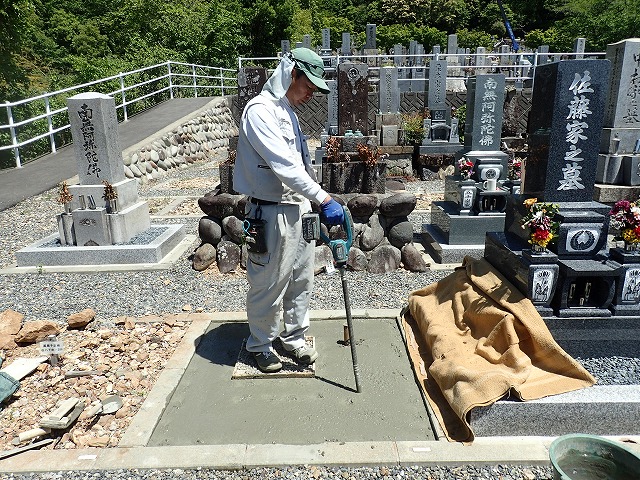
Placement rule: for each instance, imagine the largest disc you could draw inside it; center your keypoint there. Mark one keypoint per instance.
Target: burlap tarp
(474, 338)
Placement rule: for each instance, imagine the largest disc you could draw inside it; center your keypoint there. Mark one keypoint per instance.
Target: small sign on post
(52, 347)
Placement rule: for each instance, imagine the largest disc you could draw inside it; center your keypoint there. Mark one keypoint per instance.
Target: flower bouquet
(625, 216)
(465, 167)
(540, 221)
(514, 166)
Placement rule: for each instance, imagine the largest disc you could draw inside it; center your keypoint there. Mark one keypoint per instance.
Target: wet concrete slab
(208, 407)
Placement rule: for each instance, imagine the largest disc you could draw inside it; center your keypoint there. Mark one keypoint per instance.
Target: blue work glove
(332, 212)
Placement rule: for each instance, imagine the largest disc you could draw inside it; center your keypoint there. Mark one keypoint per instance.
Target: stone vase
(112, 205)
(66, 229)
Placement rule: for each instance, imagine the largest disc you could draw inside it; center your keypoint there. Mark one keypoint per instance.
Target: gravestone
(437, 85)
(370, 36)
(567, 110)
(398, 55)
(543, 54)
(481, 61)
(619, 159)
(565, 124)
(94, 127)
(250, 83)
(285, 46)
(413, 46)
(95, 228)
(346, 43)
(326, 39)
(93, 121)
(332, 107)
(418, 82)
(389, 91)
(436, 50)
(306, 41)
(452, 44)
(353, 88)
(485, 100)
(578, 47)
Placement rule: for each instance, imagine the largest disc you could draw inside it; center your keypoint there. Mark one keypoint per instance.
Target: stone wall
(192, 140)
(382, 234)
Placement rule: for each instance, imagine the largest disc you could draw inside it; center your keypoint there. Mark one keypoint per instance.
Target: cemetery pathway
(44, 173)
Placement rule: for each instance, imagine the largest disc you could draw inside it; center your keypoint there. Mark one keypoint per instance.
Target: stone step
(597, 410)
(603, 409)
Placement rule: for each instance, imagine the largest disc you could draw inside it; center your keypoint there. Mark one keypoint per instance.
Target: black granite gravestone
(564, 129)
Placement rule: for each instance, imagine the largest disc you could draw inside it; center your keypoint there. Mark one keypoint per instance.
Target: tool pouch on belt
(254, 235)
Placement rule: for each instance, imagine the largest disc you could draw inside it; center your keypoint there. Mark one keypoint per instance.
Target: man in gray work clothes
(273, 169)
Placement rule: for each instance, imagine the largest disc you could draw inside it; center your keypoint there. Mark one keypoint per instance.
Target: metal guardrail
(516, 66)
(44, 119)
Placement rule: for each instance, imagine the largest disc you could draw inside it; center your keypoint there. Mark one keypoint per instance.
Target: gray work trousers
(282, 278)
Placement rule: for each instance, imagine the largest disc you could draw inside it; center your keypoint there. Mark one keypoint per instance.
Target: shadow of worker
(221, 343)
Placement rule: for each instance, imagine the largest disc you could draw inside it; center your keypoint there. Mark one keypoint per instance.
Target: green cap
(312, 65)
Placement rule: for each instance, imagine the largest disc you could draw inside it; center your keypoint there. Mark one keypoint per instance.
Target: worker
(273, 169)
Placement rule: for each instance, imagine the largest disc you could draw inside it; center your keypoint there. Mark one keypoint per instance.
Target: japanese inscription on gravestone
(437, 84)
(389, 91)
(485, 101)
(88, 141)
(563, 146)
(94, 126)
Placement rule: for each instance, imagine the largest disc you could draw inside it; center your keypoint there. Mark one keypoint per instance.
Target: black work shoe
(267, 361)
(305, 354)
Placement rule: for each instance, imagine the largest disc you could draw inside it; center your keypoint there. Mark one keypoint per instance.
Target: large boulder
(228, 256)
(372, 234)
(398, 205)
(357, 260)
(210, 230)
(412, 259)
(233, 227)
(363, 206)
(218, 206)
(203, 257)
(400, 232)
(384, 259)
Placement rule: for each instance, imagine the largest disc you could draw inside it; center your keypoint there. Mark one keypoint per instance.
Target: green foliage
(474, 39)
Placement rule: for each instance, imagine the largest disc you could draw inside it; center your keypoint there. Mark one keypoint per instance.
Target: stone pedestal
(627, 296)
(534, 274)
(586, 288)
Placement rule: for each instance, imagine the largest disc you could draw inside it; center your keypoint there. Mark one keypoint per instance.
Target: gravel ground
(498, 472)
(54, 296)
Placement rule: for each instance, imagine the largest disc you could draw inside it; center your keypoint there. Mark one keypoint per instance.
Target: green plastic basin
(590, 457)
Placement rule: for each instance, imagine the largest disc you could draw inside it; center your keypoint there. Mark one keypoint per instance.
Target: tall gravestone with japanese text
(474, 202)
(578, 275)
(353, 89)
(105, 212)
(565, 124)
(440, 130)
(619, 159)
(94, 128)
